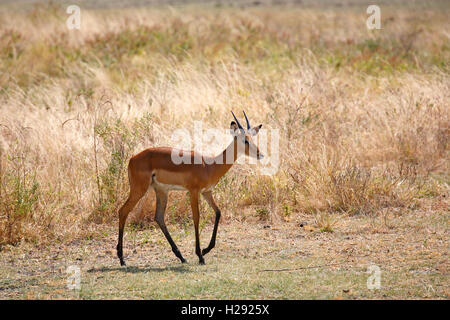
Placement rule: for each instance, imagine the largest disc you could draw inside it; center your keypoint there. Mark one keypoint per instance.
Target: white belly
(166, 187)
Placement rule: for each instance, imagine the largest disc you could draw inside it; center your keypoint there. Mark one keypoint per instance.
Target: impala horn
(237, 121)
(248, 122)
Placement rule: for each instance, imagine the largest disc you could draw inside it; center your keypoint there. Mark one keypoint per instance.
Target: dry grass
(363, 115)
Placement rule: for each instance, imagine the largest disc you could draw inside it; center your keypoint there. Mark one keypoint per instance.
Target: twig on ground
(312, 267)
(303, 268)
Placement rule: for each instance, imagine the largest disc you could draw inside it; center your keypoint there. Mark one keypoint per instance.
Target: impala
(155, 168)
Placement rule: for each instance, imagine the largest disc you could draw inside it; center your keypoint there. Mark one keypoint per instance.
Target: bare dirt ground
(251, 260)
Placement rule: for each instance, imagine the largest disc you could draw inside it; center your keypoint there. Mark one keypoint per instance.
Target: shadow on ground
(143, 269)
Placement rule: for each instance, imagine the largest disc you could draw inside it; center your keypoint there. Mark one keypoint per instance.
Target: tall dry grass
(363, 115)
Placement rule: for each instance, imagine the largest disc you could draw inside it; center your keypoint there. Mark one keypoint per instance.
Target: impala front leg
(196, 217)
(209, 198)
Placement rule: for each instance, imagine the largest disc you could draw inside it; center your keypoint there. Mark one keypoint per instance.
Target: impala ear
(233, 128)
(254, 131)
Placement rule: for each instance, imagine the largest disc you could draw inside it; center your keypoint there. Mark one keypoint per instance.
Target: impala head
(243, 137)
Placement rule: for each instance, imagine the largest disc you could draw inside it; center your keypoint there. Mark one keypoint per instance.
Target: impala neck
(225, 160)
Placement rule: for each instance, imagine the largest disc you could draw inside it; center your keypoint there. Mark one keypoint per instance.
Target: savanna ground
(363, 178)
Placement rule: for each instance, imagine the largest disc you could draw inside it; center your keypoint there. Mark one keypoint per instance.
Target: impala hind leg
(161, 203)
(209, 198)
(138, 188)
